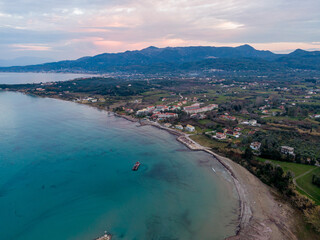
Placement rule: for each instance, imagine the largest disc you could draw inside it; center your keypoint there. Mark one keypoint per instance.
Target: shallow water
(65, 173)
(22, 78)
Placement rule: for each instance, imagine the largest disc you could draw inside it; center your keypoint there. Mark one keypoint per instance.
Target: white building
(142, 111)
(166, 115)
(150, 108)
(253, 122)
(220, 136)
(195, 108)
(159, 108)
(190, 128)
(180, 127)
(175, 107)
(255, 146)
(287, 150)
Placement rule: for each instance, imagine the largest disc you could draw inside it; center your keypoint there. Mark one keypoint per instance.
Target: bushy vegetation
(313, 217)
(316, 180)
(306, 147)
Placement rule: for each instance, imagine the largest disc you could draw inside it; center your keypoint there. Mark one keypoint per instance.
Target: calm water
(17, 78)
(65, 173)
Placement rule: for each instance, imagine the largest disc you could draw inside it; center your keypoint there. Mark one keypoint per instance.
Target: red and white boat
(136, 166)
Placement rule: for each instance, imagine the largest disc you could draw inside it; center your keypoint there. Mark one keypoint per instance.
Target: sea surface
(21, 78)
(65, 174)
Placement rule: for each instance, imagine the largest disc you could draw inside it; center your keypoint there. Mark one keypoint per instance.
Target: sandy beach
(262, 215)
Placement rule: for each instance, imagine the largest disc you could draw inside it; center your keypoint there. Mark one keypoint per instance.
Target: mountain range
(153, 59)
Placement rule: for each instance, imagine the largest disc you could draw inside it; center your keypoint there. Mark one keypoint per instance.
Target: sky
(69, 29)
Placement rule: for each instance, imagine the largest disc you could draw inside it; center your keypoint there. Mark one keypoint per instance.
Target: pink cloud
(30, 47)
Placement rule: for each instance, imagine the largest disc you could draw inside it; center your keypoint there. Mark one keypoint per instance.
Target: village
(166, 115)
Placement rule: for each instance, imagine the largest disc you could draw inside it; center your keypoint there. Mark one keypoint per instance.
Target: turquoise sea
(65, 173)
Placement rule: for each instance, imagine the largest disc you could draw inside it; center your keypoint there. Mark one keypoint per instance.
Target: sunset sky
(71, 29)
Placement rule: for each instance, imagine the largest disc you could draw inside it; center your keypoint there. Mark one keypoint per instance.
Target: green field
(296, 168)
(304, 182)
(154, 96)
(205, 121)
(207, 142)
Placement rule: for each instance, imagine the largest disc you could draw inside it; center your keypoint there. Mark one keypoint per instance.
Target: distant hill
(153, 59)
(301, 59)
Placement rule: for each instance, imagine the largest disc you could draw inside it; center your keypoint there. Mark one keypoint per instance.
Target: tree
(248, 155)
(259, 101)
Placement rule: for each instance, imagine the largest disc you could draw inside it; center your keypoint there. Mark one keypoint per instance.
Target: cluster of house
(156, 110)
(236, 132)
(264, 110)
(220, 136)
(251, 122)
(89, 100)
(255, 146)
(161, 116)
(182, 103)
(287, 150)
(226, 116)
(283, 89)
(195, 108)
(198, 116)
(315, 116)
(284, 149)
(188, 128)
(40, 89)
(51, 83)
(314, 91)
(160, 111)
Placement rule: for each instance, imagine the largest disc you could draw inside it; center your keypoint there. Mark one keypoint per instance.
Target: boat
(213, 169)
(136, 166)
(106, 236)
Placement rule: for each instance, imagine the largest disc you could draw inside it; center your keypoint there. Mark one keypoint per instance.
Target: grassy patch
(154, 96)
(305, 182)
(205, 121)
(207, 142)
(296, 168)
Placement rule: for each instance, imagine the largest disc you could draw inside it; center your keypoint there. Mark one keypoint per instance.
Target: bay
(65, 173)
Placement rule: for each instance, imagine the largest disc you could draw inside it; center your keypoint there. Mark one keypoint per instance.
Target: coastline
(245, 210)
(262, 216)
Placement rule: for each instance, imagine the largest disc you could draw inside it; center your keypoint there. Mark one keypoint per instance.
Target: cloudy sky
(69, 29)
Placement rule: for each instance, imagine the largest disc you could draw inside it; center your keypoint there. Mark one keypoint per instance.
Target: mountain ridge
(177, 58)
